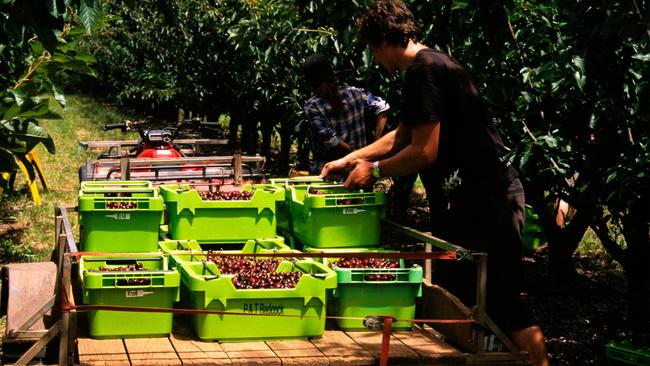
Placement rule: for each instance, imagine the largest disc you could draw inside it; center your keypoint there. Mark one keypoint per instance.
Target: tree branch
(600, 227)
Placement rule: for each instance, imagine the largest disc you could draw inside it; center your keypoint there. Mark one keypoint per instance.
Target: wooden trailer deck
(422, 346)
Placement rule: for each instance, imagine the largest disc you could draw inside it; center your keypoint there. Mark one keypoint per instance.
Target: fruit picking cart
(443, 331)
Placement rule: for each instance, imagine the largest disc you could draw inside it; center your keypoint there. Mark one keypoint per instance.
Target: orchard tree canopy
(38, 42)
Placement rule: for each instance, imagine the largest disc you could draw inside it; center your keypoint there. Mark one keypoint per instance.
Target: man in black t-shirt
(475, 197)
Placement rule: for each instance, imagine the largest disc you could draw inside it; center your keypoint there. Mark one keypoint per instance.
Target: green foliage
(39, 42)
(566, 82)
(11, 252)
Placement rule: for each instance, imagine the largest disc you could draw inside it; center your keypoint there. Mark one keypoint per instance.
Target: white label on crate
(138, 293)
(262, 308)
(120, 216)
(352, 211)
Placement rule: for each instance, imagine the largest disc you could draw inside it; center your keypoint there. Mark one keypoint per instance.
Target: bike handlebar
(128, 125)
(113, 126)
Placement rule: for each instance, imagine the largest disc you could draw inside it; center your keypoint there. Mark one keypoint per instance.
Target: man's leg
(532, 340)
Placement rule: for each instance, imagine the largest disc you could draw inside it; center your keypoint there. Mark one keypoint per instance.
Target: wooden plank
(439, 303)
(192, 352)
(151, 351)
(29, 287)
(251, 353)
(430, 348)
(104, 352)
(298, 352)
(342, 350)
(38, 346)
(398, 351)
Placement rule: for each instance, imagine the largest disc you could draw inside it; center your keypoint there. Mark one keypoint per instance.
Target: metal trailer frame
(66, 326)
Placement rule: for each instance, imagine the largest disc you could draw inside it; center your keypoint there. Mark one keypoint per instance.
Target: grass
(83, 120)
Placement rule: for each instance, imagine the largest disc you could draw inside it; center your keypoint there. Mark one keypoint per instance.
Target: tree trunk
(562, 242)
(286, 132)
(267, 121)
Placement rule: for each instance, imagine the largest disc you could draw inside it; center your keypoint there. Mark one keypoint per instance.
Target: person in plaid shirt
(337, 113)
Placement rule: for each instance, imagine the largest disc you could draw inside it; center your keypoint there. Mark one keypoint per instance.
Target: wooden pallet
(422, 346)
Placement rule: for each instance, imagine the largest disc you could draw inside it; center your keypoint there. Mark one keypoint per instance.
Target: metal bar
(67, 228)
(132, 143)
(66, 283)
(427, 263)
(427, 238)
(382, 255)
(236, 162)
(481, 292)
(196, 160)
(36, 347)
(124, 169)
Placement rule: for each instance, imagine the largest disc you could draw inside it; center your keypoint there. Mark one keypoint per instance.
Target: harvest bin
(336, 218)
(119, 217)
(282, 207)
(263, 314)
(190, 217)
(159, 288)
(192, 251)
(357, 297)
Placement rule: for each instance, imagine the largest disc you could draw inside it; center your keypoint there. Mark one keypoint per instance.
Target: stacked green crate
(283, 212)
(107, 281)
(119, 216)
(257, 314)
(190, 217)
(359, 294)
(330, 216)
(347, 251)
(193, 251)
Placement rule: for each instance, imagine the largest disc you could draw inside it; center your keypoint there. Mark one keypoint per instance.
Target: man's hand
(334, 170)
(360, 176)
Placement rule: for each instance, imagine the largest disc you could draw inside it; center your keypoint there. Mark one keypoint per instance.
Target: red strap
(382, 255)
(385, 341)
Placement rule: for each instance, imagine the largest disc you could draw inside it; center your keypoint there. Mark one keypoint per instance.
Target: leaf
(7, 161)
(29, 133)
(642, 57)
(19, 97)
(89, 12)
(459, 5)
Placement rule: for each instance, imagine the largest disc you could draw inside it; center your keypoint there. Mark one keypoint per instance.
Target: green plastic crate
(326, 261)
(259, 308)
(335, 219)
(282, 207)
(119, 230)
(190, 217)
(357, 297)
(626, 354)
(192, 251)
(109, 288)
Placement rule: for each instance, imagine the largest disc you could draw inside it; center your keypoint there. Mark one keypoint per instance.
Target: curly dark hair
(389, 21)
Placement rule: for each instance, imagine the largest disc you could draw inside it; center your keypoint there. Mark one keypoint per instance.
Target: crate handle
(207, 269)
(321, 276)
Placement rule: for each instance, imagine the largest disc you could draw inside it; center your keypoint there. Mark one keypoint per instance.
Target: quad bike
(160, 156)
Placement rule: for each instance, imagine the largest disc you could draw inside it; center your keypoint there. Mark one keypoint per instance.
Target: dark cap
(317, 68)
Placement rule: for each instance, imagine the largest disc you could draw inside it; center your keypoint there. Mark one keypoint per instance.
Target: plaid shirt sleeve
(318, 120)
(374, 103)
